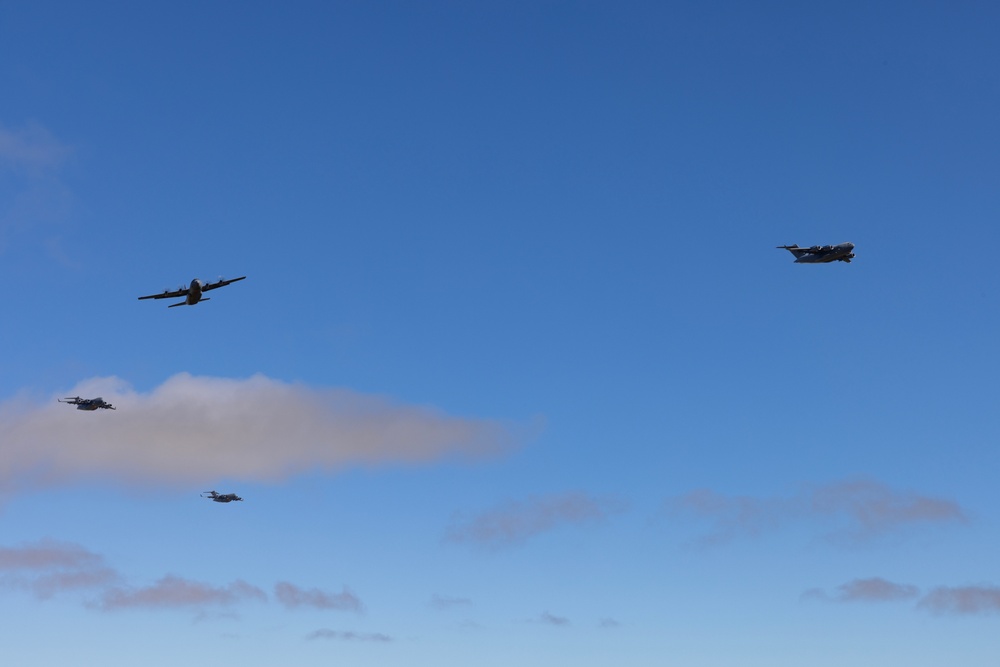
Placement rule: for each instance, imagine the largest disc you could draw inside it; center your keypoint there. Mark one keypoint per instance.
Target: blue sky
(516, 374)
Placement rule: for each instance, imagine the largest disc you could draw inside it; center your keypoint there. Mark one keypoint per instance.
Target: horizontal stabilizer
(795, 250)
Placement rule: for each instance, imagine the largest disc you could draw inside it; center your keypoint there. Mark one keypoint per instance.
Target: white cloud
(195, 430)
(32, 196)
(31, 148)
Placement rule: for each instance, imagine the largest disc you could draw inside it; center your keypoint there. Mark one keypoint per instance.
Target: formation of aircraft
(221, 497)
(821, 254)
(88, 404)
(192, 293)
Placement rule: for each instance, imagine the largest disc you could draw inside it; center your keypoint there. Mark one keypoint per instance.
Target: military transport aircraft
(221, 497)
(192, 294)
(87, 403)
(821, 254)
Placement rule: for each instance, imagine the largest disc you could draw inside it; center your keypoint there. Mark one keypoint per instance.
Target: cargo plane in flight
(192, 294)
(821, 254)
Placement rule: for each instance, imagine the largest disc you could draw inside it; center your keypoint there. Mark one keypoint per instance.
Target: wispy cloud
(874, 508)
(551, 619)
(48, 567)
(31, 193)
(874, 589)
(349, 636)
(859, 510)
(194, 430)
(608, 623)
(47, 554)
(959, 600)
(515, 522)
(31, 148)
(446, 602)
(293, 597)
(968, 600)
(173, 592)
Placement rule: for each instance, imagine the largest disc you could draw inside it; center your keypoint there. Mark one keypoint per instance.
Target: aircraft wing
(221, 283)
(167, 294)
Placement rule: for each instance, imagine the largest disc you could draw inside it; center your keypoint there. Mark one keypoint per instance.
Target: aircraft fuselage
(194, 292)
(843, 252)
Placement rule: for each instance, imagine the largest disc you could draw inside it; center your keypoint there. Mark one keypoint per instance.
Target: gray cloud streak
(293, 597)
(325, 633)
(515, 522)
(964, 600)
(958, 600)
(873, 589)
(48, 567)
(552, 619)
(864, 509)
(194, 430)
(172, 592)
(446, 602)
(47, 554)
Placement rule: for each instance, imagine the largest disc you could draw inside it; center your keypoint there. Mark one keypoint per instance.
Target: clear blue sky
(517, 375)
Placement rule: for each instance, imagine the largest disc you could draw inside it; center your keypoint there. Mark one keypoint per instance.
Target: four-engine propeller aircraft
(193, 293)
(221, 497)
(87, 403)
(821, 254)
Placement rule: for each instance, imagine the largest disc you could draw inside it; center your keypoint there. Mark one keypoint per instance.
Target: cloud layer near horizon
(48, 567)
(861, 509)
(197, 429)
(957, 600)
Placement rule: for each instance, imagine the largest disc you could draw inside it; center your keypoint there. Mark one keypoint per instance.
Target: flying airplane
(221, 497)
(821, 254)
(87, 403)
(192, 294)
